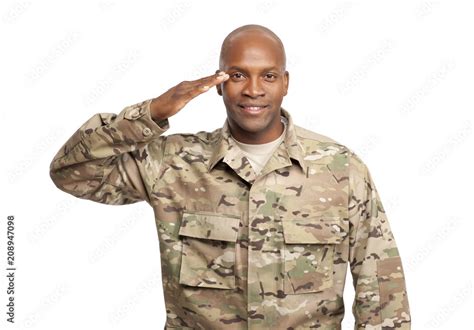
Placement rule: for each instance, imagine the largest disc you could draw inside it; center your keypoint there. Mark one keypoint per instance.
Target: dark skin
(252, 81)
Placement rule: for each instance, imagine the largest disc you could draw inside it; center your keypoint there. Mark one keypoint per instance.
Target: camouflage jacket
(240, 251)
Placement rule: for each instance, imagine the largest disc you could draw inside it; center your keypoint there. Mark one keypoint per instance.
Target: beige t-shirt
(259, 154)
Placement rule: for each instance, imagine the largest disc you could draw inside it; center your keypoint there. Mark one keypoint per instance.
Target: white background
(391, 80)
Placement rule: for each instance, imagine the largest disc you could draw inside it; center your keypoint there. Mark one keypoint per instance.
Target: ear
(218, 86)
(286, 82)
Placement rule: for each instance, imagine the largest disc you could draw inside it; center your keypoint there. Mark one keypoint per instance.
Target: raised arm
(100, 161)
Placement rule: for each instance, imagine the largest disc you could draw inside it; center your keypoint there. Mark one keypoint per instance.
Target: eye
(270, 76)
(237, 76)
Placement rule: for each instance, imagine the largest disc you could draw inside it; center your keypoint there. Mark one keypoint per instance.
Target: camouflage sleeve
(381, 300)
(99, 161)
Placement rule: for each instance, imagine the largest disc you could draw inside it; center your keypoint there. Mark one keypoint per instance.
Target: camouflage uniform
(240, 251)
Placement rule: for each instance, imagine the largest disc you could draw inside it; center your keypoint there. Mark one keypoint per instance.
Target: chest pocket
(308, 253)
(208, 250)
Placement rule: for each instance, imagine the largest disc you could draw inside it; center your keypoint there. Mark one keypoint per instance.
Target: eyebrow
(234, 67)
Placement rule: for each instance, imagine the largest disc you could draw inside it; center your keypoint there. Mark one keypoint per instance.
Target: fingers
(206, 83)
(178, 96)
(202, 85)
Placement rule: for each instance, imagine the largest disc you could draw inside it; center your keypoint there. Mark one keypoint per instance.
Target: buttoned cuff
(141, 113)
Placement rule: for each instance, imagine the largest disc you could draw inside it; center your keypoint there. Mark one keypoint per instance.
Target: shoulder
(201, 140)
(309, 136)
(319, 147)
(314, 144)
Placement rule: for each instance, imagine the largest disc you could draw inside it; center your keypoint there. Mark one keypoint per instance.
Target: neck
(256, 138)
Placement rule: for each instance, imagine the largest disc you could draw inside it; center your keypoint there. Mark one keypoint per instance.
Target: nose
(253, 88)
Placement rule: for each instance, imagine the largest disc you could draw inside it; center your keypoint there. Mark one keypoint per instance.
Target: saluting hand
(173, 100)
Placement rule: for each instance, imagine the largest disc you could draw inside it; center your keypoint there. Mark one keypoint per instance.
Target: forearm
(97, 162)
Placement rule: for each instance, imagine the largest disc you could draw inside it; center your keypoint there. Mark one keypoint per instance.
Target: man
(257, 220)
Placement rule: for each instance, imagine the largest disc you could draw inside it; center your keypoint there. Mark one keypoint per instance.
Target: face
(255, 89)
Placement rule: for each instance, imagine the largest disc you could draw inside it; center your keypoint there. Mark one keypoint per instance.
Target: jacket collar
(225, 149)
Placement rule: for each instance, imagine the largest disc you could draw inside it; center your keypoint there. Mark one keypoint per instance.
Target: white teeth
(253, 108)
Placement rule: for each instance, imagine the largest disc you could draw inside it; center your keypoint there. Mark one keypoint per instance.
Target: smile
(252, 108)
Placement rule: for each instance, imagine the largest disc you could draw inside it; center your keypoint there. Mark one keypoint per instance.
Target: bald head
(251, 33)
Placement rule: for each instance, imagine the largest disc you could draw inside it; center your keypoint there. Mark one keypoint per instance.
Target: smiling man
(258, 220)
(255, 60)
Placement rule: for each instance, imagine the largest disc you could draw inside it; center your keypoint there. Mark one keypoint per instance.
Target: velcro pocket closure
(208, 250)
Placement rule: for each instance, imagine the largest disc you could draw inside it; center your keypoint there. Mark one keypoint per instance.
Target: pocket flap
(210, 226)
(315, 230)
